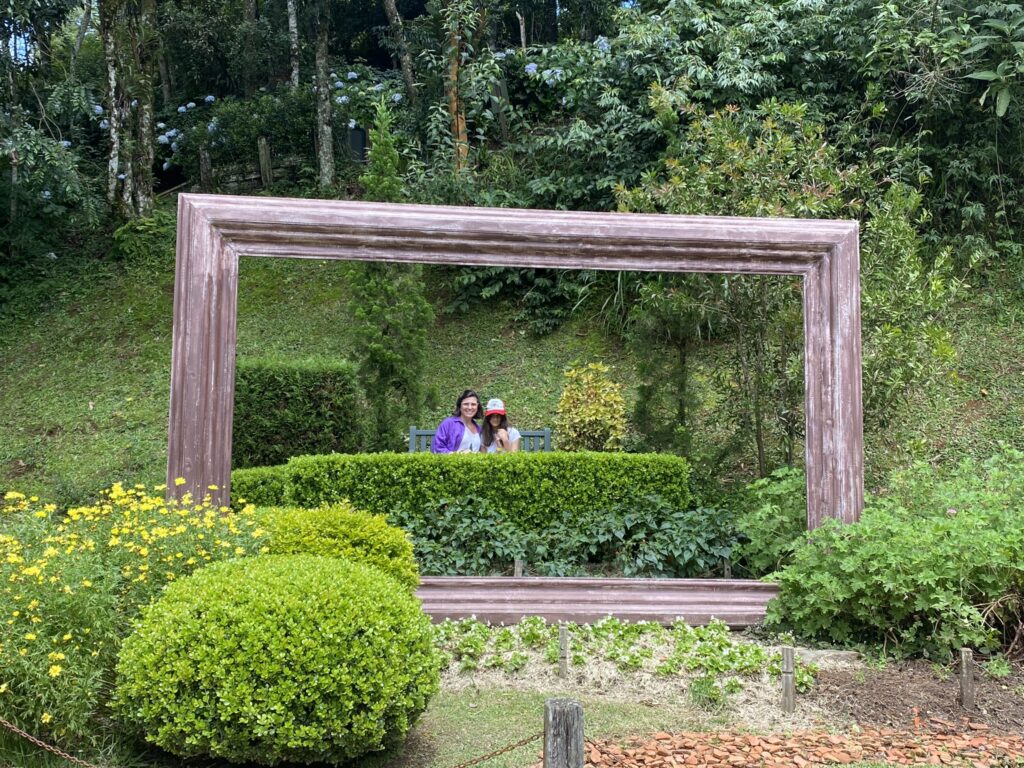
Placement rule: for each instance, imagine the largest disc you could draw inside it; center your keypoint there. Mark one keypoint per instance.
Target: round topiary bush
(341, 530)
(278, 658)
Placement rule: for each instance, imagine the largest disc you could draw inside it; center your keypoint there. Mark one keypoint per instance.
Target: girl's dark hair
(463, 396)
(488, 432)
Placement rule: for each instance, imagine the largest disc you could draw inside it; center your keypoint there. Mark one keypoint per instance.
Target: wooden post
(563, 650)
(563, 733)
(518, 568)
(726, 568)
(788, 682)
(266, 169)
(967, 678)
(205, 170)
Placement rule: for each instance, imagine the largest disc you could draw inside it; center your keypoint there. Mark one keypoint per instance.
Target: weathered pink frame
(214, 231)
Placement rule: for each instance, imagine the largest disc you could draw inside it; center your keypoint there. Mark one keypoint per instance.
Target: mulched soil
(894, 696)
(906, 714)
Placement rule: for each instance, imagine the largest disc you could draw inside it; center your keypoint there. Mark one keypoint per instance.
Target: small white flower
(161, 126)
(46, 194)
(120, 176)
(135, 103)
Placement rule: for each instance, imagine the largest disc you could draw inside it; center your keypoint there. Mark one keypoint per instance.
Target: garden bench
(532, 439)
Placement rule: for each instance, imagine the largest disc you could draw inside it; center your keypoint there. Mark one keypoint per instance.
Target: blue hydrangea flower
(162, 139)
(173, 132)
(378, 87)
(191, 105)
(396, 97)
(104, 124)
(97, 109)
(46, 194)
(135, 103)
(174, 146)
(351, 123)
(210, 99)
(499, 55)
(602, 44)
(531, 68)
(161, 126)
(181, 108)
(338, 84)
(341, 99)
(65, 143)
(166, 166)
(120, 176)
(211, 127)
(352, 75)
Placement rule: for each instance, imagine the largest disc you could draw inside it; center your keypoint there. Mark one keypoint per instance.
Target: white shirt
(513, 435)
(470, 441)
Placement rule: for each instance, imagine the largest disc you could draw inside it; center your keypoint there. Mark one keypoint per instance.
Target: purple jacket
(448, 436)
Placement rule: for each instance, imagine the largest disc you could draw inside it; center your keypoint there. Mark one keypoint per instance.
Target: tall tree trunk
(149, 53)
(83, 28)
(404, 57)
(325, 149)
(110, 55)
(165, 79)
(293, 41)
(456, 110)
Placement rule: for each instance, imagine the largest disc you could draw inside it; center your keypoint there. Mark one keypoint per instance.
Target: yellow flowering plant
(71, 583)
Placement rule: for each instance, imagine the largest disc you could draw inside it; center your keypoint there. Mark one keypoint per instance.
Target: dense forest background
(906, 116)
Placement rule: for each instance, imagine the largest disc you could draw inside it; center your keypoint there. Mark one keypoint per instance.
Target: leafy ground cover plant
(917, 575)
(641, 536)
(279, 658)
(710, 653)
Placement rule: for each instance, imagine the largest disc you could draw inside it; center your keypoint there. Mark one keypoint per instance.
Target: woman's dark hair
(488, 431)
(463, 396)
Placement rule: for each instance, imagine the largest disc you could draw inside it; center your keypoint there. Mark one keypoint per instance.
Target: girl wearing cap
(459, 433)
(498, 437)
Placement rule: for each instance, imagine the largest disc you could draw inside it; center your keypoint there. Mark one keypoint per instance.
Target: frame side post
(202, 360)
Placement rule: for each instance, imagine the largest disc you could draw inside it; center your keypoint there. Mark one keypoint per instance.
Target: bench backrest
(532, 439)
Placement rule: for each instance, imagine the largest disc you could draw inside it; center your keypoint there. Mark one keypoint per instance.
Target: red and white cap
(494, 405)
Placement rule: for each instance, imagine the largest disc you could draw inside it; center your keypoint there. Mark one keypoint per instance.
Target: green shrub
(71, 583)
(148, 240)
(591, 411)
(463, 537)
(532, 490)
(914, 572)
(279, 658)
(260, 486)
(288, 408)
(773, 521)
(341, 530)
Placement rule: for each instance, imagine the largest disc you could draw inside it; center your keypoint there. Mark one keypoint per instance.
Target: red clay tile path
(932, 743)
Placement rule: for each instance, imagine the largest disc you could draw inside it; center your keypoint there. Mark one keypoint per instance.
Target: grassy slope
(84, 375)
(85, 379)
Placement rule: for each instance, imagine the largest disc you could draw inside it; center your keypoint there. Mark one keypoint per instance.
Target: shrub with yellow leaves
(71, 584)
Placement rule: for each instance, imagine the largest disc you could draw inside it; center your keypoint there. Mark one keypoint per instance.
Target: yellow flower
(86, 583)
(30, 636)
(47, 717)
(23, 652)
(179, 481)
(55, 670)
(13, 496)
(57, 656)
(3, 688)
(66, 637)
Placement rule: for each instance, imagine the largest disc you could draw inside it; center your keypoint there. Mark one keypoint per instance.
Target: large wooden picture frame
(214, 231)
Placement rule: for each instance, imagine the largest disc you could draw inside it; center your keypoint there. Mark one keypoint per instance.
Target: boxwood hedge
(532, 490)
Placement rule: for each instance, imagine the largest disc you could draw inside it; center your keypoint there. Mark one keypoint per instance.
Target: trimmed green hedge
(278, 659)
(262, 486)
(530, 489)
(286, 408)
(341, 530)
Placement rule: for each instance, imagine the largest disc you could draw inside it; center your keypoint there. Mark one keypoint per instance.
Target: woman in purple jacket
(459, 433)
